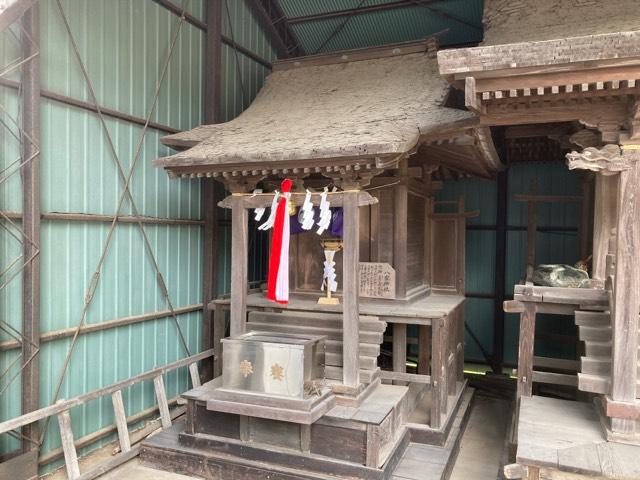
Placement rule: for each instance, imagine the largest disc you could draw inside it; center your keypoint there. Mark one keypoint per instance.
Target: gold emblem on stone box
(246, 368)
(277, 372)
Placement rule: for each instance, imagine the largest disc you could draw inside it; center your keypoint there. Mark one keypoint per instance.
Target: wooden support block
(515, 471)
(513, 306)
(195, 376)
(161, 397)
(121, 421)
(68, 447)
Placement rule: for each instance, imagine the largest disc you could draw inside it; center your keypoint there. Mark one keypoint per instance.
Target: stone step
(313, 319)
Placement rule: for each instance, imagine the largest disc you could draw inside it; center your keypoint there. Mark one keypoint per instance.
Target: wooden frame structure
(378, 129)
(531, 75)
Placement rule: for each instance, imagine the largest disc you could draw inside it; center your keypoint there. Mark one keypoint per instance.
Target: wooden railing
(127, 451)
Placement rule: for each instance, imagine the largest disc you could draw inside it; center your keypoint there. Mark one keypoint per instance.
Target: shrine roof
(381, 103)
(520, 34)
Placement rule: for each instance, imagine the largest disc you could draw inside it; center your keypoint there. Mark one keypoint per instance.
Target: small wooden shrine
(298, 391)
(583, 90)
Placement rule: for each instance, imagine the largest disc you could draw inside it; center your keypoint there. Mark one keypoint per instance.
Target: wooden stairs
(595, 332)
(329, 324)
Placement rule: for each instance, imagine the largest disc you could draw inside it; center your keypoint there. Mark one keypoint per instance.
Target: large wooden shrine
(569, 70)
(298, 391)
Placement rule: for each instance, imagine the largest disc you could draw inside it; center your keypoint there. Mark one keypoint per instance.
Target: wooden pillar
(213, 55)
(239, 265)
(500, 271)
(437, 373)
(30, 172)
(424, 349)
(351, 291)
(626, 294)
(525, 350)
(400, 199)
(399, 349)
(604, 220)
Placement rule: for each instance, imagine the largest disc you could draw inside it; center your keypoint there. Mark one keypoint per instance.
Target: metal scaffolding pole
(30, 172)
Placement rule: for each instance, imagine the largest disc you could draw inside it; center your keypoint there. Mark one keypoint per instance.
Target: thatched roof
(381, 103)
(516, 21)
(521, 34)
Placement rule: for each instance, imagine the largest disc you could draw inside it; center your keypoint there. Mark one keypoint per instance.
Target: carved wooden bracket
(240, 184)
(608, 160)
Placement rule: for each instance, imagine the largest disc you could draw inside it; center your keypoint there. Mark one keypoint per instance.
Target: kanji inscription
(377, 280)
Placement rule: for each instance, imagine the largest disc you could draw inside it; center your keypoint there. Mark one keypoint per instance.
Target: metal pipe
(98, 327)
(56, 97)
(176, 10)
(30, 172)
(91, 217)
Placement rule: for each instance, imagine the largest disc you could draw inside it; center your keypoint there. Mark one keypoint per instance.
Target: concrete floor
(483, 441)
(479, 458)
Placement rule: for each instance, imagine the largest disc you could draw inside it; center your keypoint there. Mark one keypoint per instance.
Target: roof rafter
(273, 20)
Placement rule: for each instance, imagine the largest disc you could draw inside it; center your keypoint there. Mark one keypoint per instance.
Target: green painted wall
(552, 247)
(124, 45)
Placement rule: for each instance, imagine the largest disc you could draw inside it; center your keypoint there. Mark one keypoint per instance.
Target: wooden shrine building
(570, 69)
(373, 125)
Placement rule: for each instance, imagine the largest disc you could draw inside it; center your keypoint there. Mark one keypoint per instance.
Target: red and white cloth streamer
(278, 278)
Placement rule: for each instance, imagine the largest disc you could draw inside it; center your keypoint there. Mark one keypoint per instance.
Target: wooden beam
(351, 291)
(30, 172)
(276, 24)
(247, 201)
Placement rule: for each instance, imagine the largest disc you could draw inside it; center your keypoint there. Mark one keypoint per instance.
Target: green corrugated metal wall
(552, 178)
(124, 45)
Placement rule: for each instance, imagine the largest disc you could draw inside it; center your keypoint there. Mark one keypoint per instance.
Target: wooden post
(500, 271)
(424, 349)
(239, 265)
(68, 447)
(351, 292)
(399, 349)
(213, 56)
(525, 350)
(400, 199)
(437, 370)
(121, 421)
(218, 333)
(163, 405)
(624, 377)
(604, 220)
(30, 171)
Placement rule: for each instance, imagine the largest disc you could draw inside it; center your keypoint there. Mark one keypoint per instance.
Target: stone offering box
(274, 364)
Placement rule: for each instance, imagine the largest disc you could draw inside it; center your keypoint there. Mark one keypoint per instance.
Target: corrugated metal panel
(551, 178)
(385, 26)
(124, 45)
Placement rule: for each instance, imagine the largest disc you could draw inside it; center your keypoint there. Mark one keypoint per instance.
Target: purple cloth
(335, 226)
